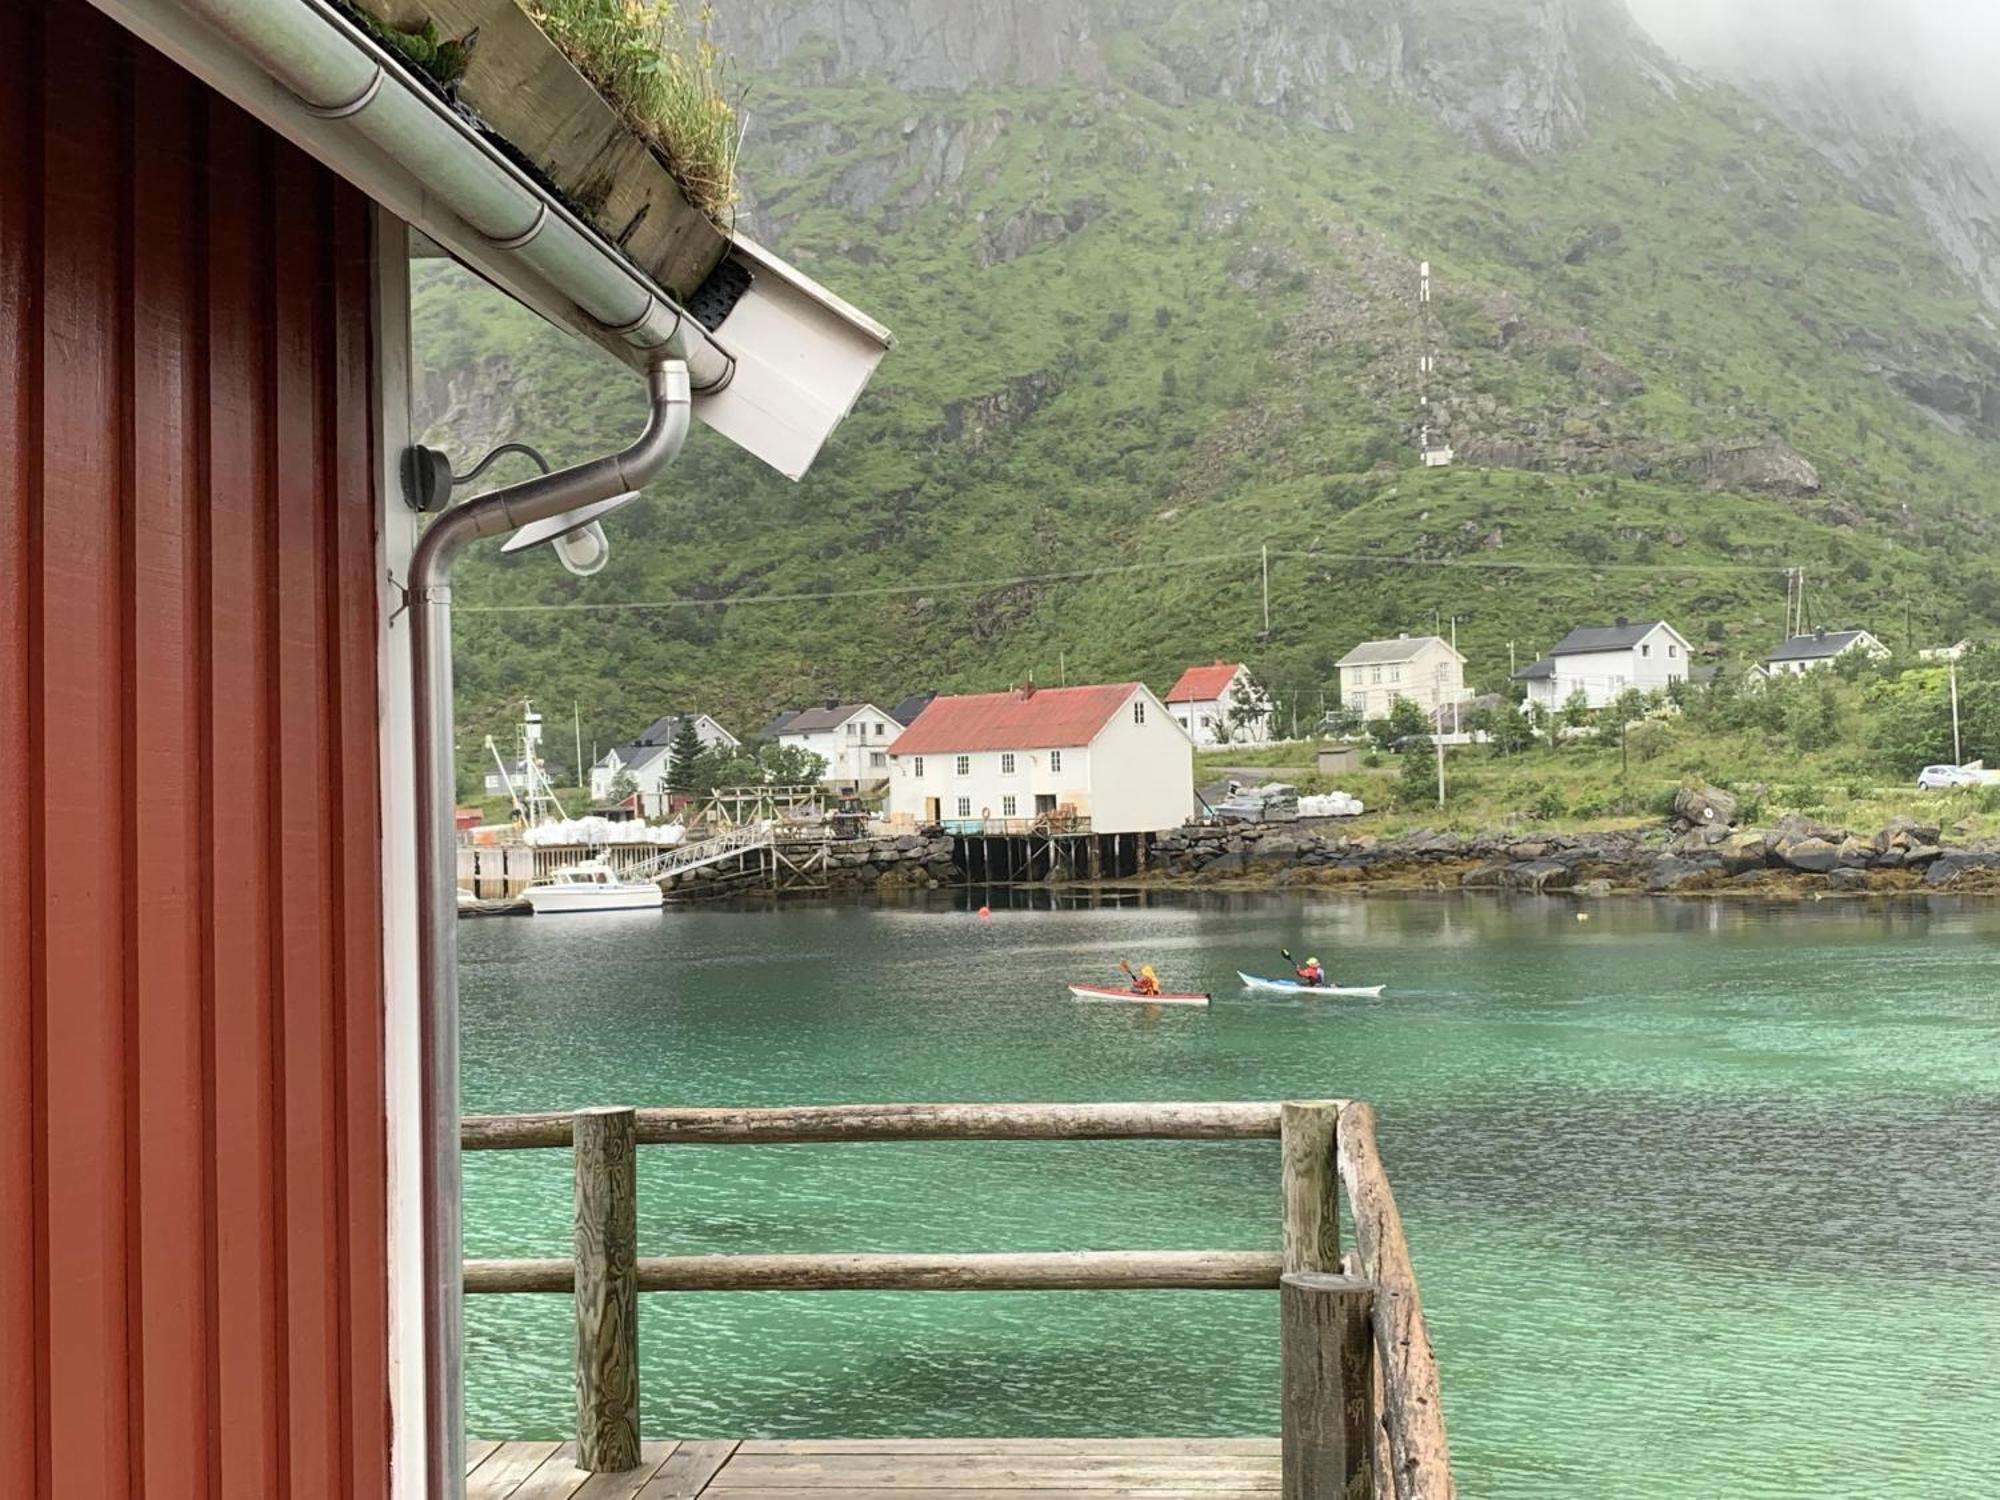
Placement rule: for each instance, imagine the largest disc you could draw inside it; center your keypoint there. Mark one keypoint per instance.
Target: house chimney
(1820, 634)
(831, 704)
(1402, 635)
(1621, 622)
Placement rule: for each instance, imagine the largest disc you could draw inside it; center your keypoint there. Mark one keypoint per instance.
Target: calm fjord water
(1705, 1200)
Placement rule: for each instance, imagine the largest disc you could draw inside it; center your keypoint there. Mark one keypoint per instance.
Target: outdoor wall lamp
(576, 536)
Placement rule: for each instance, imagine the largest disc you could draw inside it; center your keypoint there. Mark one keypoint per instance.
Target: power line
(1076, 575)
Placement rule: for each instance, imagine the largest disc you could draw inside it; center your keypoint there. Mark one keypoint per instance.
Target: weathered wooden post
(1329, 1390)
(607, 1290)
(1309, 1172)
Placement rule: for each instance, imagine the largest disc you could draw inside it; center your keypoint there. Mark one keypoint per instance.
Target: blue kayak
(1254, 982)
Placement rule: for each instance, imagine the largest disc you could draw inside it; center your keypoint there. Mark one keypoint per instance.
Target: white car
(1942, 778)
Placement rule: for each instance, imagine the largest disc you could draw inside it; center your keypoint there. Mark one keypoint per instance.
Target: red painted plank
(20, 484)
(168, 594)
(306, 1049)
(359, 984)
(82, 706)
(249, 1394)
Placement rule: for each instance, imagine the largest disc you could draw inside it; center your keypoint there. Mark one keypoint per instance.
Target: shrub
(1547, 805)
(1646, 741)
(1416, 783)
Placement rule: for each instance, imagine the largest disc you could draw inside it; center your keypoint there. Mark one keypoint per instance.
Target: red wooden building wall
(192, 1216)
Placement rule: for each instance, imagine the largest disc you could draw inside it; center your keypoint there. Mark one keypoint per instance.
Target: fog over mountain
(1943, 55)
(1899, 94)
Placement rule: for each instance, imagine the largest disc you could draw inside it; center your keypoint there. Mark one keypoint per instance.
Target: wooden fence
(1361, 1414)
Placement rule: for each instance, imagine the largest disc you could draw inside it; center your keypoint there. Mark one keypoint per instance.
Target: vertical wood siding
(192, 1160)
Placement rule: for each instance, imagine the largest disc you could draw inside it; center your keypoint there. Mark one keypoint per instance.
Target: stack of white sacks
(1332, 805)
(597, 833)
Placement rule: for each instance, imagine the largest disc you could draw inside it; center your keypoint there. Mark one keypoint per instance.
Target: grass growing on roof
(663, 72)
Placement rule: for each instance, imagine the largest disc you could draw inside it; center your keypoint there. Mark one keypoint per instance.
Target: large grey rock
(1703, 805)
(1743, 851)
(1905, 833)
(1951, 868)
(1814, 855)
(1538, 875)
(1488, 877)
(1848, 878)
(1681, 874)
(1856, 854)
(1233, 863)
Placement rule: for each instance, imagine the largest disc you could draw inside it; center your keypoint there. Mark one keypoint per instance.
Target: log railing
(1361, 1413)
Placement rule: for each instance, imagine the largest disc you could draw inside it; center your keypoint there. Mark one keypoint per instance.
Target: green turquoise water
(1705, 1199)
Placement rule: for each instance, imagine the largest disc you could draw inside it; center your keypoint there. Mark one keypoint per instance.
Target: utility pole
(1062, 668)
(1438, 740)
(1264, 553)
(1510, 661)
(576, 723)
(1957, 750)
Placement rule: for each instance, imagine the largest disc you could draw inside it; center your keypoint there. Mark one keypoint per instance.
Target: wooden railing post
(1309, 1171)
(1329, 1389)
(607, 1290)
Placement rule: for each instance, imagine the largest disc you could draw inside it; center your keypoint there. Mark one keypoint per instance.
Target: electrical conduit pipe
(538, 499)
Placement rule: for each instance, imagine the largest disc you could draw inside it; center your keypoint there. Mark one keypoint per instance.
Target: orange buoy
(985, 912)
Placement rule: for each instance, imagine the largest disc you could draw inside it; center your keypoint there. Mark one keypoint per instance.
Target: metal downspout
(536, 499)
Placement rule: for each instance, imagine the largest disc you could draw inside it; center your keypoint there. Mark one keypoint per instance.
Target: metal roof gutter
(340, 75)
(775, 374)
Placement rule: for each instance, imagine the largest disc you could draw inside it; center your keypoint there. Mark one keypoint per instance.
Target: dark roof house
(1824, 645)
(905, 713)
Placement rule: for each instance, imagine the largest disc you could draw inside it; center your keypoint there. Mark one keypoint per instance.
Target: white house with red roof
(1110, 754)
(1220, 705)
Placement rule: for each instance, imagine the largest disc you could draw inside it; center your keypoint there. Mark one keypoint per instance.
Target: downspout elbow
(547, 495)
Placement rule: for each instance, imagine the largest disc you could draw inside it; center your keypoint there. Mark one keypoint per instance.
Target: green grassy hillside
(1141, 341)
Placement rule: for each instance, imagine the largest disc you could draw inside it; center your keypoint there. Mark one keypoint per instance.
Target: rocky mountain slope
(1155, 271)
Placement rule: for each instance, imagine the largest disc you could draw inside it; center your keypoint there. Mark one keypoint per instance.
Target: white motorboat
(591, 886)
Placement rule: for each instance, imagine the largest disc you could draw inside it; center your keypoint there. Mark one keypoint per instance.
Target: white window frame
(917, 766)
(965, 807)
(1138, 710)
(1008, 804)
(1055, 760)
(1006, 762)
(877, 759)
(962, 766)
(1374, 675)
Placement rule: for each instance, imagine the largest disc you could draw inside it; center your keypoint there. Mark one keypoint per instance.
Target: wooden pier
(1360, 1415)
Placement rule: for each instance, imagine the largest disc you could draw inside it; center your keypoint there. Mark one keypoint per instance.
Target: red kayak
(1107, 992)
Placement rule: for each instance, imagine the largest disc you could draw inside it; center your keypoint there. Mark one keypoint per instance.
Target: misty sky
(1947, 51)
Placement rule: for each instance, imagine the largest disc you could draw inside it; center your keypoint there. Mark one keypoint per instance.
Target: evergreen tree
(683, 774)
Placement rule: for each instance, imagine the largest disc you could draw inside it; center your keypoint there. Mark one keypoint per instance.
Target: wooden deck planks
(890, 1469)
(689, 1471)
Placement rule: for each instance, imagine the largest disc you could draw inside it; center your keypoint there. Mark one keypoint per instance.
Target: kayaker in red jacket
(1311, 975)
(1147, 983)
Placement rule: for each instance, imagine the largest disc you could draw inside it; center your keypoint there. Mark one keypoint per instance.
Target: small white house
(852, 738)
(1802, 653)
(1110, 754)
(1426, 669)
(1603, 662)
(1221, 705)
(649, 758)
